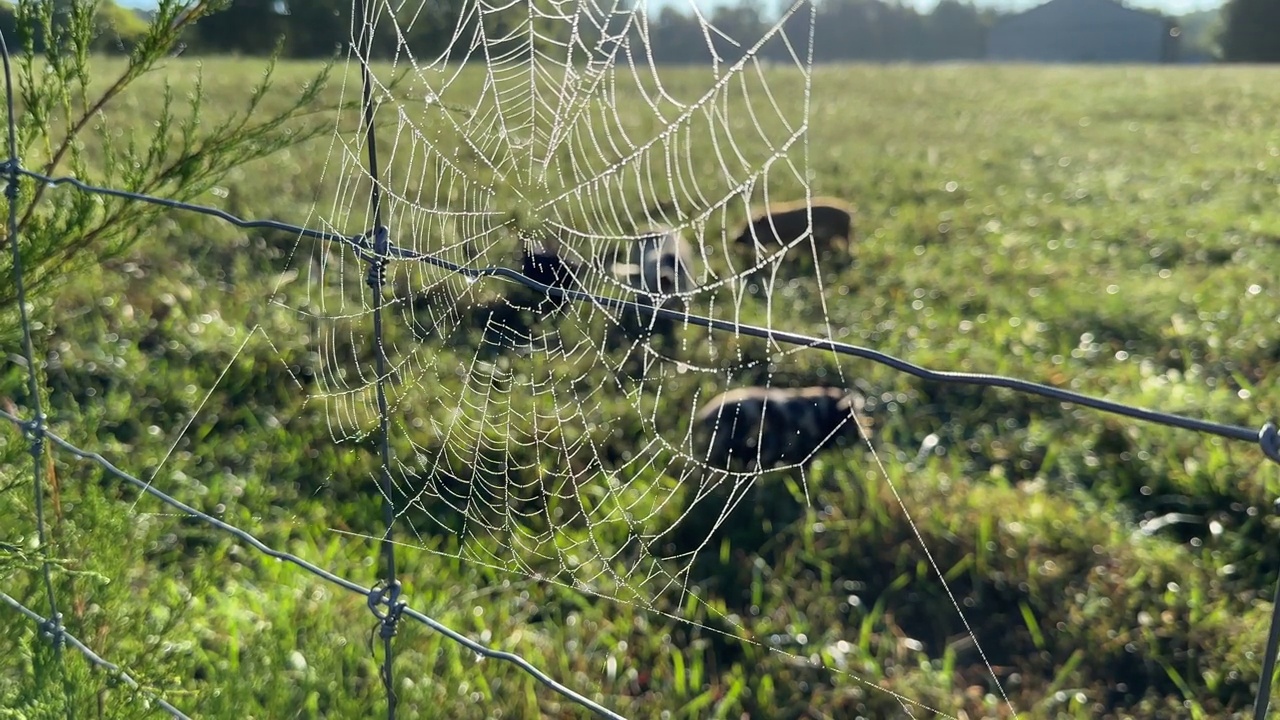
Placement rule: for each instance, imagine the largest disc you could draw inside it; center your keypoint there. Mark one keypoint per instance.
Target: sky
(1171, 7)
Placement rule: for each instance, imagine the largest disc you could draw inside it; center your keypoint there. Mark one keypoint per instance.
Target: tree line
(842, 30)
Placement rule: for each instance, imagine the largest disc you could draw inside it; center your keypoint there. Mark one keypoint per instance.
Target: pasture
(1109, 230)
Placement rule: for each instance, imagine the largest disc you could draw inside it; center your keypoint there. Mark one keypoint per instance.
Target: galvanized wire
(36, 435)
(47, 626)
(312, 568)
(362, 244)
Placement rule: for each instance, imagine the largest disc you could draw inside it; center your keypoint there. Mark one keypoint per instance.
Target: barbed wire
(375, 595)
(1267, 437)
(376, 248)
(36, 436)
(58, 635)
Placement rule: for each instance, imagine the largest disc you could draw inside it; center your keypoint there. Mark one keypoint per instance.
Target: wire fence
(377, 249)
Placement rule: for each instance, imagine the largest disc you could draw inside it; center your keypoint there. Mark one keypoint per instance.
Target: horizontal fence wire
(376, 248)
(1266, 437)
(373, 594)
(59, 635)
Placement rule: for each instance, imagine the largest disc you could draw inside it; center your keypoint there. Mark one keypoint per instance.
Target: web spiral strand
(609, 170)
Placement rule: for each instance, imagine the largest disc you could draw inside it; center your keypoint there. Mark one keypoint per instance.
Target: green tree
(316, 28)
(1251, 31)
(62, 102)
(1201, 33)
(953, 30)
(63, 106)
(251, 27)
(116, 29)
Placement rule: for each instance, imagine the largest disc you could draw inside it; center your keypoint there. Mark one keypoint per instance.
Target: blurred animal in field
(752, 430)
(549, 267)
(784, 223)
(760, 428)
(509, 321)
(661, 264)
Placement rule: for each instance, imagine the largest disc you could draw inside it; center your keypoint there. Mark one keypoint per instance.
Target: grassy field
(1112, 231)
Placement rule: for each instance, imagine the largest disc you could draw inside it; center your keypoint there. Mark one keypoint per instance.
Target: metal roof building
(1083, 31)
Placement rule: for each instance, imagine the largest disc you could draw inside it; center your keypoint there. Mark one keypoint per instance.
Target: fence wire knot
(1269, 441)
(34, 432)
(10, 168)
(379, 258)
(52, 630)
(389, 596)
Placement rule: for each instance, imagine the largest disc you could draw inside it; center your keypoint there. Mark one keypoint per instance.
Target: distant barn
(1083, 31)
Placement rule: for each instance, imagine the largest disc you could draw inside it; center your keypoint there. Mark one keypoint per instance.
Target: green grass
(1097, 229)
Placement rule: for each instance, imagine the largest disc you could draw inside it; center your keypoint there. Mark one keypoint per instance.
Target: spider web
(554, 439)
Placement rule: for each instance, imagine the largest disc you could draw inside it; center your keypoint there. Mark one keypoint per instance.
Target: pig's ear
(853, 402)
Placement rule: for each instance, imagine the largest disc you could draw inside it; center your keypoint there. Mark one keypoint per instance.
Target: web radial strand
(555, 439)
